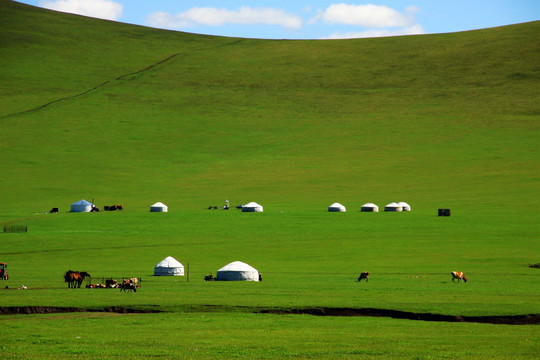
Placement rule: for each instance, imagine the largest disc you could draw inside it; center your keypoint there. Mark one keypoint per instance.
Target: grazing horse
(363, 275)
(459, 276)
(75, 278)
(69, 277)
(82, 275)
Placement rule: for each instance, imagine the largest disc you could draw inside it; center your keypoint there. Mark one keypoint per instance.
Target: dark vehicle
(3, 271)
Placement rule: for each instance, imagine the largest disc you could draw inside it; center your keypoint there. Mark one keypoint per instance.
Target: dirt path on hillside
(103, 84)
(99, 86)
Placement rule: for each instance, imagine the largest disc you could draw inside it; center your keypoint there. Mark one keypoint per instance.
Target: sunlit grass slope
(138, 115)
(131, 115)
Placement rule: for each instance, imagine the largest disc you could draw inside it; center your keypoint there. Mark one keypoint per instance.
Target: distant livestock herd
(75, 279)
(364, 275)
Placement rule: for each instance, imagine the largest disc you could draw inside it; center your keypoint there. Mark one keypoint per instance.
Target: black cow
(363, 275)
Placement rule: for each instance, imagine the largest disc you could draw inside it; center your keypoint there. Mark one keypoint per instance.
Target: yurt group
(85, 206)
(235, 271)
(370, 207)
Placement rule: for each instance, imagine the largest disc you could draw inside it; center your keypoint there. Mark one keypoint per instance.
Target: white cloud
(214, 17)
(376, 20)
(103, 9)
(410, 30)
(370, 16)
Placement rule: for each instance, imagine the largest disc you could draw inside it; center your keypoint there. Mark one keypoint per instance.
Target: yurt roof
(159, 204)
(169, 262)
(252, 204)
(237, 266)
(393, 204)
(369, 205)
(82, 202)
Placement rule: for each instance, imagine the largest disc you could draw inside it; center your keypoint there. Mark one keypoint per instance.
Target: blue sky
(306, 19)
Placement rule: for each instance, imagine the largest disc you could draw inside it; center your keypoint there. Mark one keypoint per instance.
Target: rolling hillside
(132, 115)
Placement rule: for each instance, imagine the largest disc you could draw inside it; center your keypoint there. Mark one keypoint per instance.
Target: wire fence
(15, 228)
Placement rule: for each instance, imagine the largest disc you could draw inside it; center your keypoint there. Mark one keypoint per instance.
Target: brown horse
(75, 278)
(68, 277)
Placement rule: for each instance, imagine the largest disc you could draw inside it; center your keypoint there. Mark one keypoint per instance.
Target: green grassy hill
(137, 115)
(130, 115)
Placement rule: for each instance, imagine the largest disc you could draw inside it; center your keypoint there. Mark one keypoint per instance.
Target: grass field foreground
(122, 114)
(215, 336)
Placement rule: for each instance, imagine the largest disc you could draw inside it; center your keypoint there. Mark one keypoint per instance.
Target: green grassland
(307, 259)
(130, 115)
(218, 336)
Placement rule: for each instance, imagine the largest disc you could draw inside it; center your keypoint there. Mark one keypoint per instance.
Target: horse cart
(3, 271)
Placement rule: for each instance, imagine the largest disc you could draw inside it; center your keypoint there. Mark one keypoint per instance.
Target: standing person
(226, 206)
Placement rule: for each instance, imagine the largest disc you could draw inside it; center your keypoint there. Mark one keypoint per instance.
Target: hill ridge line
(99, 86)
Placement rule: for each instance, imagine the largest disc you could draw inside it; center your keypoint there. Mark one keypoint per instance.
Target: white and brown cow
(459, 276)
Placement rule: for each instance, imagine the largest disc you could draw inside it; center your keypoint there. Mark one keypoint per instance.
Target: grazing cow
(363, 275)
(110, 283)
(96, 286)
(127, 286)
(459, 276)
(135, 282)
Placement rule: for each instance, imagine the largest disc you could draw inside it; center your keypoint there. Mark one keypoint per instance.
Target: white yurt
(336, 207)
(369, 207)
(81, 206)
(159, 207)
(169, 267)
(404, 206)
(237, 271)
(393, 207)
(252, 207)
